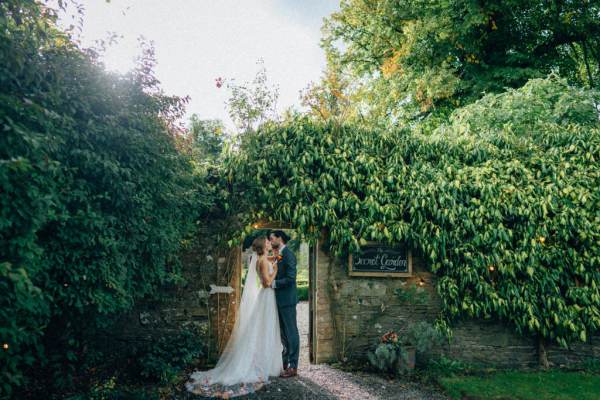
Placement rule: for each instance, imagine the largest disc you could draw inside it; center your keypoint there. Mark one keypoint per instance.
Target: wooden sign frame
(408, 274)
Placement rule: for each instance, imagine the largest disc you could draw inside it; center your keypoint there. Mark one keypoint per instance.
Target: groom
(287, 298)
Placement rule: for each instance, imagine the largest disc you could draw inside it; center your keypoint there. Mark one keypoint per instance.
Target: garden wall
(350, 313)
(353, 312)
(191, 305)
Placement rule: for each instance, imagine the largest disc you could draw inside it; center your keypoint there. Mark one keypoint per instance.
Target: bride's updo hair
(258, 245)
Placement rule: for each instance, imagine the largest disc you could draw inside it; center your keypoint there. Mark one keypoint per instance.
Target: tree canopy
(437, 54)
(207, 137)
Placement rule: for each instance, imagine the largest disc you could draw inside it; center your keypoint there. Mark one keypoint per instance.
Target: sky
(197, 41)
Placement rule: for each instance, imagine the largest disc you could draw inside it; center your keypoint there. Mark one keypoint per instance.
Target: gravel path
(324, 382)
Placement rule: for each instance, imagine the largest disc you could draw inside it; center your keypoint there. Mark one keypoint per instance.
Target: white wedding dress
(253, 352)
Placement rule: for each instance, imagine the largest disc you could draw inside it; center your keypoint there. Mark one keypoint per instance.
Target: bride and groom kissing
(264, 341)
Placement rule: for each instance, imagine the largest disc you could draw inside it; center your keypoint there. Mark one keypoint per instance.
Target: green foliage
(142, 370)
(591, 364)
(96, 197)
(207, 138)
(444, 366)
(164, 359)
(423, 336)
(412, 295)
(302, 280)
(385, 357)
(252, 103)
(302, 293)
(332, 99)
(420, 56)
(390, 355)
(502, 201)
(110, 389)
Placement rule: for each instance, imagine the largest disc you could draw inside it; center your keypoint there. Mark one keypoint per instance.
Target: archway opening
(306, 264)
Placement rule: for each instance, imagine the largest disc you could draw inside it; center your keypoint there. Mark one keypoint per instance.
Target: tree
(331, 98)
(207, 137)
(431, 55)
(252, 103)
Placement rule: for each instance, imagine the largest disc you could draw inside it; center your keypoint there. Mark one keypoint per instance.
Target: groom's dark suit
(287, 298)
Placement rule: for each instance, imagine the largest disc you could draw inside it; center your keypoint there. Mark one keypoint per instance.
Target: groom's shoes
(289, 373)
(285, 368)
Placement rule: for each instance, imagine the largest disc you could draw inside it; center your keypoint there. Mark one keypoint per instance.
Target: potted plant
(397, 354)
(387, 353)
(418, 340)
(407, 359)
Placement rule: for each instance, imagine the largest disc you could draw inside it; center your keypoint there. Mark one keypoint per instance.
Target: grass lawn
(553, 385)
(302, 283)
(302, 277)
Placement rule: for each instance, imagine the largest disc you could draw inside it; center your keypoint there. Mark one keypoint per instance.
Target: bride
(253, 353)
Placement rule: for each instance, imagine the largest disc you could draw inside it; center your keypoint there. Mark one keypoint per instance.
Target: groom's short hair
(280, 234)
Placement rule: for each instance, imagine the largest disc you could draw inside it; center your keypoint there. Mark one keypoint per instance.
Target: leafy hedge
(503, 200)
(95, 195)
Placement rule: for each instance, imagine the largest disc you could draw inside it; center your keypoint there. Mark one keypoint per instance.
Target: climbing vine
(503, 201)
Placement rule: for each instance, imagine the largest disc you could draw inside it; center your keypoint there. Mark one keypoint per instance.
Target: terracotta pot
(407, 363)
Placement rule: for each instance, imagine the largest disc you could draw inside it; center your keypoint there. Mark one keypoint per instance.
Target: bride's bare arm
(265, 277)
(274, 272)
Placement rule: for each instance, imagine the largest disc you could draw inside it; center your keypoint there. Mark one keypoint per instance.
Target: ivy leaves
(502, 200)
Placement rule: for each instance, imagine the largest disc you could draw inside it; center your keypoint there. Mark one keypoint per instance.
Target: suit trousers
(289, 335)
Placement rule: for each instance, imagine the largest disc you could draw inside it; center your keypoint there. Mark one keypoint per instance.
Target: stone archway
(307, 311)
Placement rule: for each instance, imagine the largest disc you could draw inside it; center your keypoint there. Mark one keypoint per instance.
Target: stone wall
(353, 312)
(190, 304)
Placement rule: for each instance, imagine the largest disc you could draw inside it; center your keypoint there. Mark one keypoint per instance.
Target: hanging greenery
(503, 201)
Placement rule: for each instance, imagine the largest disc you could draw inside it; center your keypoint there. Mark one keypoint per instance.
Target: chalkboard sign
(381, 260)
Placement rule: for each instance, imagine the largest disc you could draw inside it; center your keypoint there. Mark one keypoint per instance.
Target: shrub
(444, 366)
(412, 295)
(390, 355)
(164, 359)
(95, 195)
(385, 357)
(302, 293)
(424, 337)
(110, 390)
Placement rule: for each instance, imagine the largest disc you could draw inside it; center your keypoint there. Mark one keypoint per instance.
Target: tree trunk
(587, 64)
(542, 356)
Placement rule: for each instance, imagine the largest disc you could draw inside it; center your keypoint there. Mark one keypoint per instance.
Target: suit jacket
(286, 293)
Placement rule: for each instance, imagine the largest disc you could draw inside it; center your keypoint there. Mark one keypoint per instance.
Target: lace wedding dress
(253, 353)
